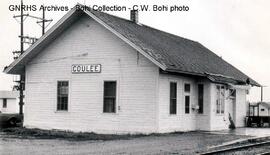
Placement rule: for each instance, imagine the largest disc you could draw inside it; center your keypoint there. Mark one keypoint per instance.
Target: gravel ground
(177, 143)
(251, 150)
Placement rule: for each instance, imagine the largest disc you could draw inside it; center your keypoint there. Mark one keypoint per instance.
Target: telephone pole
(43, 21)
(21, 82)
(27, 40)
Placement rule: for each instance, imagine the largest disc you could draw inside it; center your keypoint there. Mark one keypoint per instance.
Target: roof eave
(252, 83)
(20, 60)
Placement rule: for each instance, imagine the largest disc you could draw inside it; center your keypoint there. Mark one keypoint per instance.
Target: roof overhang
(217, 78)
(17, 66)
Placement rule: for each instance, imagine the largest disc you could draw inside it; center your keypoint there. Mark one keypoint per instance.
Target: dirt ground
(177, 143)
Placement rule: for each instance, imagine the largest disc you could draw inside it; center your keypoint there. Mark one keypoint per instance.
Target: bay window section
(220, 99)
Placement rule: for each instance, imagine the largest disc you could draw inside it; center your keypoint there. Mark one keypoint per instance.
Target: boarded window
(200, 98)
(4, 102)
(220, 99)
(109, 101)
(187, 88)
(187, 104)
(62, 95)
(173, 96)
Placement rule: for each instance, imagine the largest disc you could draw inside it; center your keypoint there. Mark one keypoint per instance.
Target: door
(231, 109)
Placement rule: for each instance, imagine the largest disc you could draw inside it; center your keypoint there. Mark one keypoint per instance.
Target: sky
(236, 30)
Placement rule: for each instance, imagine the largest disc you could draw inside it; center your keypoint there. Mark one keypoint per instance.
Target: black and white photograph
(146, 77)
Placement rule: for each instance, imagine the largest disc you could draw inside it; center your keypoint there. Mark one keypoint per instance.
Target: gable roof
(169, 52)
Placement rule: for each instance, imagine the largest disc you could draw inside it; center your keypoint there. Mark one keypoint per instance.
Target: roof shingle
(176, 53)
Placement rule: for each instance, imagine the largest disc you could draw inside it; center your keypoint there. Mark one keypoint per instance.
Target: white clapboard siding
(182, 121)
(142, 92)
(87, 42)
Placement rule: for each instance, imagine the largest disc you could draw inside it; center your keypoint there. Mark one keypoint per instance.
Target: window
(220, 99)
(62, 95)
(187, 97)
(4, 102)
(173, 96)
(262, 109)
(187, 104)
(187, 88)
(109, 101)
(200, 98)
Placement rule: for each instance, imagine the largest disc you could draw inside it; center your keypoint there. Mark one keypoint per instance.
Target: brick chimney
(134, 16)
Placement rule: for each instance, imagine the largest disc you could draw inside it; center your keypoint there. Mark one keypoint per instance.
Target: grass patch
(25, 133)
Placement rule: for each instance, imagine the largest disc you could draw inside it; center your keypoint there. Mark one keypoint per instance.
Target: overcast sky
(237, 30)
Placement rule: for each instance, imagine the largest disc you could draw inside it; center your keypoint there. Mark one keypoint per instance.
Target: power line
(20, 79)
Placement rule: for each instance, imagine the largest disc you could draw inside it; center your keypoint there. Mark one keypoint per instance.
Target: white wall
(221, 121)
(182, 121)
(241, 107)
(87, 42)
(142, 93)
(12, 106)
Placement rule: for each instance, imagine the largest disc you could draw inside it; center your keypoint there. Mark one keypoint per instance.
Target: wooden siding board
(93, 44)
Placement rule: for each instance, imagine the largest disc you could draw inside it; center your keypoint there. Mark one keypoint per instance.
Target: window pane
(187, 104)
(173, 96)
(200, 98)
(218, 107)
(187, 88)
(109, 97)
(218, 99)
(173, 90)
(110, 88)
(222, 100)
(173, 106)
(222, 105)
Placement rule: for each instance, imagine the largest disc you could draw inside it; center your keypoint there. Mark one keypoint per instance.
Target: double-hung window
(62, 95)
(220, 99)
(173, 97)
(109, 100)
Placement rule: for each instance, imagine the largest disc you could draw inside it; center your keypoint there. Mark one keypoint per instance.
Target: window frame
(115, 98)
(4, 103)
(220, 101)
(187, 112)
(171, 99)
(68, 96)
(187, 91)
(200, 99)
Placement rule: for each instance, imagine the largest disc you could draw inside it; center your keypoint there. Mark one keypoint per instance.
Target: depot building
(99, 73)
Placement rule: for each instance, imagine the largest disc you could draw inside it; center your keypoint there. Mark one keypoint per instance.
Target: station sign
(86, 68)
